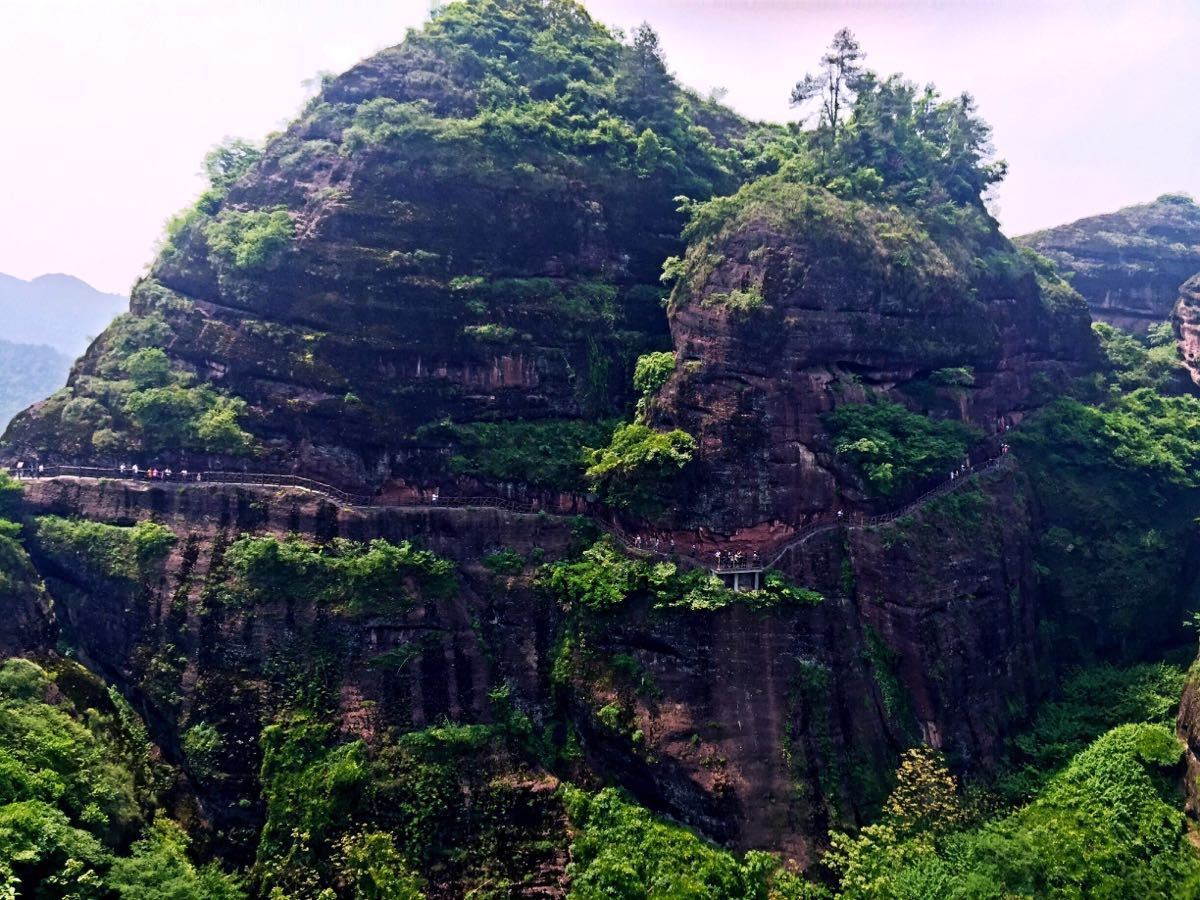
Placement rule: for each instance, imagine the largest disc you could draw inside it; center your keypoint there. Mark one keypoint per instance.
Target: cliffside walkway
(732, 567)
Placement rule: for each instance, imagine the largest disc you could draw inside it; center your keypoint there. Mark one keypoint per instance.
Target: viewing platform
(739, 578)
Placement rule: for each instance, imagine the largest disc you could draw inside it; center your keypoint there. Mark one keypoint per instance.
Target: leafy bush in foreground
(1108, 825)
(621, 850)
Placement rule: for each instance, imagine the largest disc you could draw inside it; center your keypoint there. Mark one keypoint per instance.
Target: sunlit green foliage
(377, 818)
(604, 579)
(505, 562)
(229, 161)
(543, 454)
(128, 553)
(639, 465)
(158, 868)
(250, 240)
(622, 851)
(1143, 433)
(189, 417)
(354, 577)
(1152, 362)
(894, 448)
(148, 368)
(652, 371)
(1092, 701)
(1108, 825)
(75, 784)
(885, 138)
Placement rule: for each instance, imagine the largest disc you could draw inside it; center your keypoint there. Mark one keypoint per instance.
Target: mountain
(1129, 264)
(28, 373)
(56, 310)
(602, 495)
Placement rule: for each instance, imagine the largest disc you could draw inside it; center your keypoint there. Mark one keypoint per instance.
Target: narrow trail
(632, 543)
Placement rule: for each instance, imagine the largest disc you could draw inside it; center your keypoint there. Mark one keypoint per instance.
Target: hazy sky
(109, 105)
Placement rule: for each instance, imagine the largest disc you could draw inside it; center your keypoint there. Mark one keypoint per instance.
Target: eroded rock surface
(800, 302)
(1128, 264)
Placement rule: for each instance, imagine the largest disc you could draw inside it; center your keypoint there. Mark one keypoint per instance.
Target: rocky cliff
(449, 232)
(763, 728)
(1129, 264)
(795, 302)
(1186, 320)
(441, 275)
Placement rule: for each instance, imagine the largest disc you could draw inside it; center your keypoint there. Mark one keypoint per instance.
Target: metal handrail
(634, 544)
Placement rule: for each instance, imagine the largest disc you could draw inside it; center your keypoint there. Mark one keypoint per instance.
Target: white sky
(108, 106)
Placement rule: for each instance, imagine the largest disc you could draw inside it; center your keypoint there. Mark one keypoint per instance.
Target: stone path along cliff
(736, 563)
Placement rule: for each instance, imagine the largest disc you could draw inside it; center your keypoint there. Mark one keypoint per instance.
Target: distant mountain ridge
(28, 373)
(58, 310)
(1128, 264)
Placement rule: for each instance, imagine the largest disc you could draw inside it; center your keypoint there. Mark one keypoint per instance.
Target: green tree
(638, 466)
(229, 160)
(148, 368)
(836, 86)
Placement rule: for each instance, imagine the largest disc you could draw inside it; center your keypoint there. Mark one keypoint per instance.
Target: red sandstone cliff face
(434, 260)
(800, 302)
(1187, 727)
(1186, 319)
(762, 728)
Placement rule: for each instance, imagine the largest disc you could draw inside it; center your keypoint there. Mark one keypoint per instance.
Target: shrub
(545, 454)
(174, 416)
(1134, 363)
(1099, 828)
(127, 553)
(1092, 700)
(621, 850)
(505, 562)
(247, 241)
(346, 575)
(639, 465)
(148, 368)
(604, 578)
(652, 370)
(490, 333)
(894, 448)
(202, 745)
(958, 376)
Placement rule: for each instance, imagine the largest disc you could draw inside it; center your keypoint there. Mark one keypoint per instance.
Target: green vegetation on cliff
(77, 783)
(353, 577)
(545, 454)
(1108, 824)
(127, 553)
(604, 578)
(636, 469)
(1116, 484)
(894, 448)
(620, 850)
